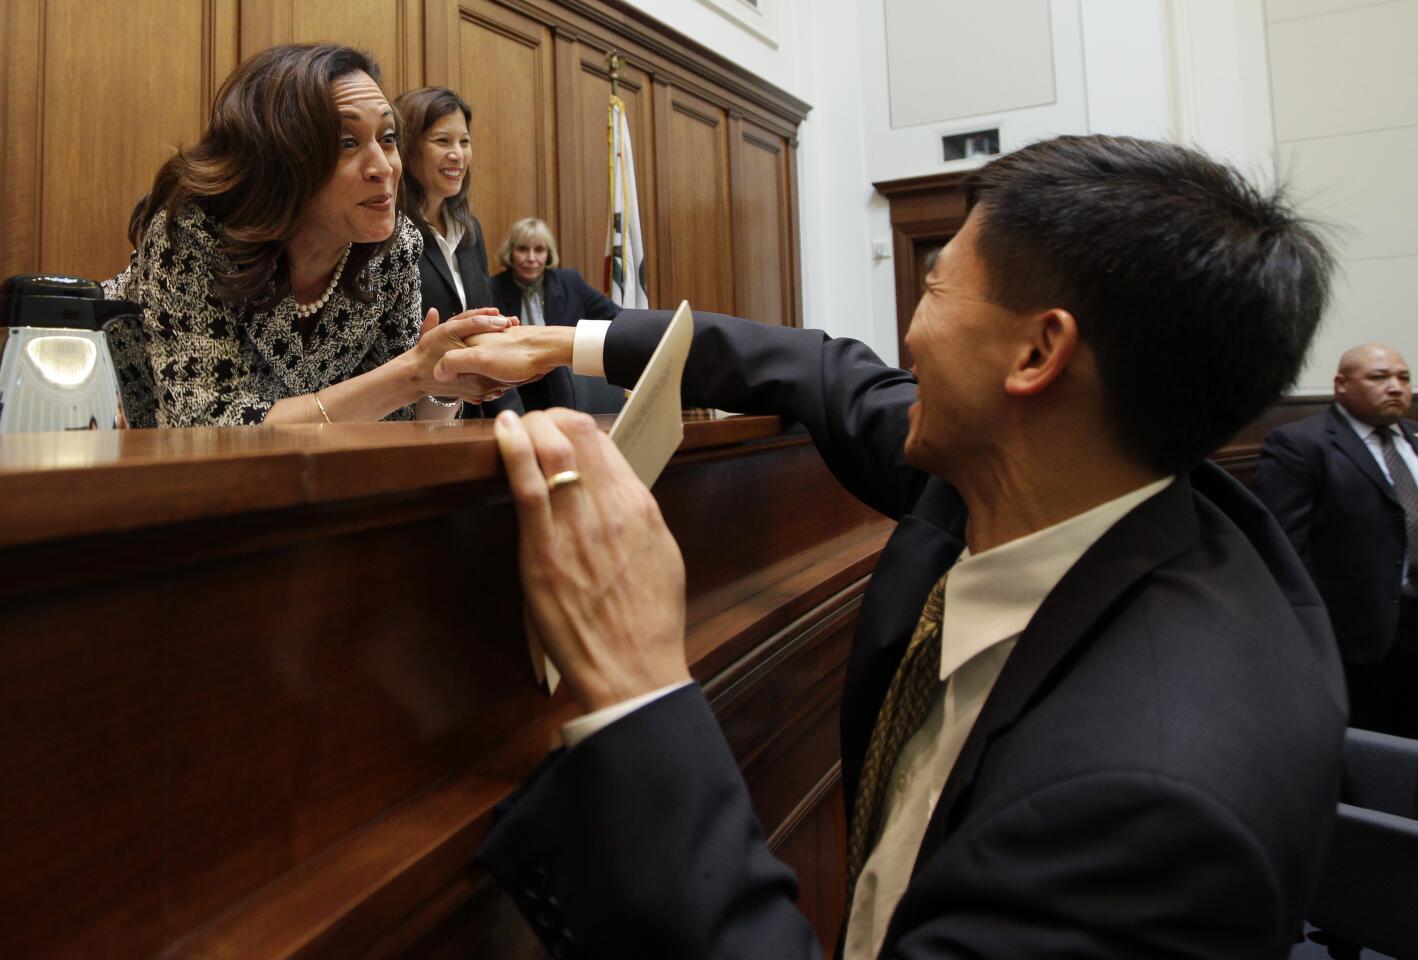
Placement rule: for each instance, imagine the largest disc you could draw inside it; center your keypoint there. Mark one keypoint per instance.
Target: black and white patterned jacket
(198, 361)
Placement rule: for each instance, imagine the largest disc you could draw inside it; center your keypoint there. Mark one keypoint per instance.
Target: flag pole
(613, 65)
(625, 248)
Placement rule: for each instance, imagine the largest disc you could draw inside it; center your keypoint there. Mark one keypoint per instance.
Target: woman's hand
(601, 573)
(437, 339)
(515, 356)
(406, 379)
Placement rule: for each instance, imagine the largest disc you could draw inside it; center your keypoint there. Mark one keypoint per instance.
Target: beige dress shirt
(989, 600)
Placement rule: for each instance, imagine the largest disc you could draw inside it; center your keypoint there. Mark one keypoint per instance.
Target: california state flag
(625, 244)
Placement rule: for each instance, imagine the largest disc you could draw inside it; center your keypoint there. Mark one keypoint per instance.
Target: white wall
(1344, 91)
(1220, 88)
(835, 189)
(1319, 94)
(1125, 68)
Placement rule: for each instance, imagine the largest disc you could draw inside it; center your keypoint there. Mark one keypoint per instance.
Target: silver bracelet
(448, 403)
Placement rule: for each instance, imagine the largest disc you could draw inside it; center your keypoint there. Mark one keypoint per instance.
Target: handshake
(479, 355)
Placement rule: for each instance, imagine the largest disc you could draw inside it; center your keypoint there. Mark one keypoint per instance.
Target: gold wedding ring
(563, 479)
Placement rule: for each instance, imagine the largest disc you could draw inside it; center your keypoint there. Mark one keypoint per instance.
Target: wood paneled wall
(97, 93)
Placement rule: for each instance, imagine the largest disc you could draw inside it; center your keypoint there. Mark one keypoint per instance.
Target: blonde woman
(533, 288)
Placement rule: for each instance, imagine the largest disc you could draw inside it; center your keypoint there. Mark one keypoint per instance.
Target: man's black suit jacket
(1154, 775)
(438, 292)
(566, 299)
(1327, 491)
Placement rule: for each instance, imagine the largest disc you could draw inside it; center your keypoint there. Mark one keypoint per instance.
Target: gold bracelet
(323, 412)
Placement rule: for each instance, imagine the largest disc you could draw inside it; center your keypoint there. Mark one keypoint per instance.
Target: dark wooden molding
(795, 225)
(1241, 455)
(90, 482)
(929, 186)
(925, 212)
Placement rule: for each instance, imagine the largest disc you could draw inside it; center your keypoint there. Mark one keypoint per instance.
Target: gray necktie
(1407, 492)
(532, 302)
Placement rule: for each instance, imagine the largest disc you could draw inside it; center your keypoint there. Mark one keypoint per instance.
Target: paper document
(647, 433)
(650, 427)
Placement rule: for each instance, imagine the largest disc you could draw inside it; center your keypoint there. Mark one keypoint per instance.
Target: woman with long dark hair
(438, 154)
(278, 279)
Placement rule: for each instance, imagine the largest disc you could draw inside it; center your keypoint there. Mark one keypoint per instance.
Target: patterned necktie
(908, 700)
(1407, 492)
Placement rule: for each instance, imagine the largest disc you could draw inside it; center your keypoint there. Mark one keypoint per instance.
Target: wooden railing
(263, 688)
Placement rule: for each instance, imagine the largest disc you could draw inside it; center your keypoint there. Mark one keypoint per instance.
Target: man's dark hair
(1197, 293)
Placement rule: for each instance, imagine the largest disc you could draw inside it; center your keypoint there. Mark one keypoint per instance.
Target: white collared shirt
(1369, 436)
(449, 246)
(989, 600)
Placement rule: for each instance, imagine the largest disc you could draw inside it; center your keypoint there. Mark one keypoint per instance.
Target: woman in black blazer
(453, 269)
(533, 289)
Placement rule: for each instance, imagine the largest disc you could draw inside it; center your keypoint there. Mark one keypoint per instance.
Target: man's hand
(514, 356)
(437, 339)
(603, 577)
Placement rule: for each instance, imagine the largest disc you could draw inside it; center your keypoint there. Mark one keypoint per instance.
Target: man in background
(1341, 483)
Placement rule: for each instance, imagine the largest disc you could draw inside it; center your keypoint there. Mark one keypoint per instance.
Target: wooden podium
(261, 689)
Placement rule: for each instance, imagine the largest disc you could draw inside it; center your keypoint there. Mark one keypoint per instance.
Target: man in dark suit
(1113, 730)
(1342, 485)
(534, 289)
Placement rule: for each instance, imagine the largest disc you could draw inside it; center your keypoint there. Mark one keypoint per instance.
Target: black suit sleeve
(641, 843)
(854, 405)
(1286, 484)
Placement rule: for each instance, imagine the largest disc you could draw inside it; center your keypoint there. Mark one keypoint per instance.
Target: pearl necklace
(306, 310)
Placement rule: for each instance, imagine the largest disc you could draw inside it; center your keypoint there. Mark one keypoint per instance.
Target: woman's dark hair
(1197, 293)
(418, 110)
(272, 142)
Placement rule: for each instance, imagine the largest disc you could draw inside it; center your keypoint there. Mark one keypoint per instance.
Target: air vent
(969, 146)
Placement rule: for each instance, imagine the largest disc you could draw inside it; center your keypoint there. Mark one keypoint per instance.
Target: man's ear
(1050, 339)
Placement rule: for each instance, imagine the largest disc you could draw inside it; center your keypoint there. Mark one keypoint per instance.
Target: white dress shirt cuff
(582, 727)
(588, 349)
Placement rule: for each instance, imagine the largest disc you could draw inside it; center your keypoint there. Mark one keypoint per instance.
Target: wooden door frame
(925, 211)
